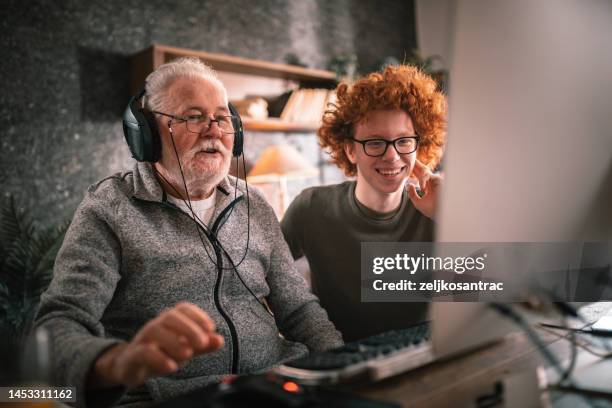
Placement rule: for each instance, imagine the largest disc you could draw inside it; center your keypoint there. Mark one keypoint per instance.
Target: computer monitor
(529, 153)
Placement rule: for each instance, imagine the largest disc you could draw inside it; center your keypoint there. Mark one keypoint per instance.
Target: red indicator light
(228, 379)
(290, 386)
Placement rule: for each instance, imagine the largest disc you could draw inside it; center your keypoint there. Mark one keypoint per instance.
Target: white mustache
(210, 145)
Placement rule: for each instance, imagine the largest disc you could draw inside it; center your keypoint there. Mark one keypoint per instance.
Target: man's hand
(430, 186)
(162, 344)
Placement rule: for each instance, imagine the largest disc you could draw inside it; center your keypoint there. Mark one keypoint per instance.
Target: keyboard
(367, 360)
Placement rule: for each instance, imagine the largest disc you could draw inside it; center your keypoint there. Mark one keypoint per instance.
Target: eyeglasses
(200, 123)
(378, 147)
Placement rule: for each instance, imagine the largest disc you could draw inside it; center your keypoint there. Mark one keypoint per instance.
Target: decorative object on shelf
(293, 59)
(255, 108)
(426, 64)
(276, 104)
(345, 66)
(388, 61)
(276, 165)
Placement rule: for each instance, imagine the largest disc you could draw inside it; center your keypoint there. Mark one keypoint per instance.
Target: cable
(583, 330)
(189, 205)
(188, 202)
(234, 266)
(212, 237)
(506, 311)
(564, 375)
(573, 354)
(246, 183)
(195, 216)
(550, 329)
(571, 337)
(246, 286)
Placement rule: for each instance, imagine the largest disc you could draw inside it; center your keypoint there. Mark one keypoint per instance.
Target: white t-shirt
(204, 209)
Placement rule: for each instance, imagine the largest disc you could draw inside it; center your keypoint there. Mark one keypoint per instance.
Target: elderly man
(164, 277)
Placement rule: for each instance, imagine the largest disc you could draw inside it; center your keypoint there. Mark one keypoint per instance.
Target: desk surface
(456, 382)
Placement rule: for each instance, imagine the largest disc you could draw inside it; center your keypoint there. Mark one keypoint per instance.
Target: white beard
(200, 175)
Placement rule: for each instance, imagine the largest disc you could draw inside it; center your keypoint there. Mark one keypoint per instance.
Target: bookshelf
(241, 76)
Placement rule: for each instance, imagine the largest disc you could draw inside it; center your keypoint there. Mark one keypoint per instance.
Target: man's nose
(391, 154)
(213, 130)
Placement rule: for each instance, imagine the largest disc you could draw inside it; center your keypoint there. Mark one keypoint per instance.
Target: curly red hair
(398, 87)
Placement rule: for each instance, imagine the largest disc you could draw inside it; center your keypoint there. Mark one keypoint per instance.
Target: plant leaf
(28, 254)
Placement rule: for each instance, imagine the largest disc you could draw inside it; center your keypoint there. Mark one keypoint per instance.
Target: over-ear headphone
(239, 135)
(142, 134)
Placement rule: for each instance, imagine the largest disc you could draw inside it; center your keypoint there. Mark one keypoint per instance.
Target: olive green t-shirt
(327, 225)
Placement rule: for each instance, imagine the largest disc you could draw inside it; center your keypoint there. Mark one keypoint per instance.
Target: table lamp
(277, 164)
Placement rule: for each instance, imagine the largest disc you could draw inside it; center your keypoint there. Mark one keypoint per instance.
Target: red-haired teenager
(383, 129)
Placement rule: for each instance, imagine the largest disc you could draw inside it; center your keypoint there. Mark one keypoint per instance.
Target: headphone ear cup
(239, 135)
(141, 132)
(143, 139)
(153, 138)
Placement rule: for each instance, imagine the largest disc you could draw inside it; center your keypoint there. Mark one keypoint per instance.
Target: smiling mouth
(391, 172)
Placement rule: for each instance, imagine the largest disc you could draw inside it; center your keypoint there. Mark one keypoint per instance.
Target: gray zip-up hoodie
(129, 254)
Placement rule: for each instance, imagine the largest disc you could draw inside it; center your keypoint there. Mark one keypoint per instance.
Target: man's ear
(349, 150)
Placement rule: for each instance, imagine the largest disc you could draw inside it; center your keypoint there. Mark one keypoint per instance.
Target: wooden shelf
(248, 72)
(149, 59)
(277, 125)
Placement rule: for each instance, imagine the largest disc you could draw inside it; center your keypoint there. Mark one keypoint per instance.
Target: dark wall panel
(64, 72)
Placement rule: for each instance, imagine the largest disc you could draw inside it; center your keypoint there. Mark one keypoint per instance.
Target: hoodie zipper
(230, 324)
(216, 295)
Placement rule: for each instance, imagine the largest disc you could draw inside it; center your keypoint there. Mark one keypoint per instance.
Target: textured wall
(65, 77)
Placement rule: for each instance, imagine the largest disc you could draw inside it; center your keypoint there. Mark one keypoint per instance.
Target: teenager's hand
(430, 186)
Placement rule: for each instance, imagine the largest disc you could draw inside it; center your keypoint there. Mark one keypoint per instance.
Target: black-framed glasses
(202, 123)
(378, 147)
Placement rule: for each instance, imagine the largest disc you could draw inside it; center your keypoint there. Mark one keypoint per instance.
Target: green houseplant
(27, 254)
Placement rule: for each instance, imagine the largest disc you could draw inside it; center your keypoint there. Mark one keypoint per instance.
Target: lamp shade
(281, 161)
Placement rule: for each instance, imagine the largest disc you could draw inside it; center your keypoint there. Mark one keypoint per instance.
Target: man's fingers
(175, 346)
(216, 341)
(422, 173)
(420, 169)
(424, 184)
(165, 342)
(142, 361)
(412, 193)
(197, 315)
(182, 325)
(156, 361)
(139, 377)
(435, 181)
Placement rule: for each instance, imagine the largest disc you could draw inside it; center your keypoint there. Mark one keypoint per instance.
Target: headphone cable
(211, 237)
(194, 215)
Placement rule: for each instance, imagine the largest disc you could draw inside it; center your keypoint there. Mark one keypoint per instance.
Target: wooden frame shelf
(151, 58)
(277, 125)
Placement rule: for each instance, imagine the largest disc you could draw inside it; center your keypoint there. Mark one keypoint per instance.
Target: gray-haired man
(156, 291)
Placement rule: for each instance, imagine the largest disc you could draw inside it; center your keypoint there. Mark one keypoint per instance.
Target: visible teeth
(390, 172)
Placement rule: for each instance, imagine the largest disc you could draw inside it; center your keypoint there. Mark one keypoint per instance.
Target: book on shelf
(306, 105)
